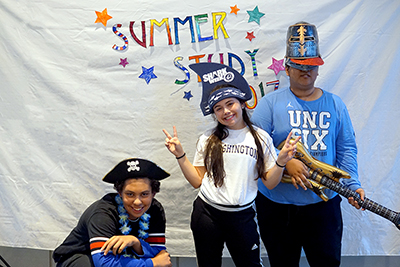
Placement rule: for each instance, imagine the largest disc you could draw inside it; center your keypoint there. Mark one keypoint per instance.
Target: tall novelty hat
(214, 74)
(302, 49)
(135, 168)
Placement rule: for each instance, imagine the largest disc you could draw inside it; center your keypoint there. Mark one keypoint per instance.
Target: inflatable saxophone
(323, 175)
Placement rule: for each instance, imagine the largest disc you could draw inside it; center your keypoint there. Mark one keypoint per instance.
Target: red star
(234, 9)
(250, 36)
(102, 17)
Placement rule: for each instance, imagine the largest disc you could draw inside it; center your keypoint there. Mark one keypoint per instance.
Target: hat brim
(315, 61)
(135, 168)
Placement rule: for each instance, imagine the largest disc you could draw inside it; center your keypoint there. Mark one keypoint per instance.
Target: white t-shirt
(240, 159)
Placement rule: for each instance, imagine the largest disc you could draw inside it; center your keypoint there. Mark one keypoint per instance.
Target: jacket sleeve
(346, 150)
(150, 251)
(110, 260)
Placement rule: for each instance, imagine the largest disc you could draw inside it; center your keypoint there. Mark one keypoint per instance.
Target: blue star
(147, 74)
(188, 95)
(255, 15)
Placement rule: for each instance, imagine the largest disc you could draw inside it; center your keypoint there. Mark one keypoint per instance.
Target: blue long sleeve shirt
(327, 133)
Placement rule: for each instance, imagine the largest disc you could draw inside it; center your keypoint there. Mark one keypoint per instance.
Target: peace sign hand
(173, 144)
(288, 150)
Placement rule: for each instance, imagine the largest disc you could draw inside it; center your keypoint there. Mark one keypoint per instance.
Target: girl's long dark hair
(213, 160)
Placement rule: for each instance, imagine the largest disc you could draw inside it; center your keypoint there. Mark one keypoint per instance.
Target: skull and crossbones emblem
(133, 166)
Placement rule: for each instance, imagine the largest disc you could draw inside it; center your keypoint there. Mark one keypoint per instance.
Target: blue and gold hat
(135, 168)
(302, 46)
(215, 74)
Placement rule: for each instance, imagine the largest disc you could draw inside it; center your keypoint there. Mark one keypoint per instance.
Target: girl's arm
(194, 175)
(273, 177)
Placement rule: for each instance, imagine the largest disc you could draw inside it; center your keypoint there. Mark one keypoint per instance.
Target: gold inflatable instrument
(323, 175)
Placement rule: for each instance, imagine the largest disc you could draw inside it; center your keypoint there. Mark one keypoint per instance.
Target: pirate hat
(302, 46)
(214, 74)
(135, 168)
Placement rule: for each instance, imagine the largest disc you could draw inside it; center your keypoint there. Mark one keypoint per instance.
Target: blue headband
(222, 94)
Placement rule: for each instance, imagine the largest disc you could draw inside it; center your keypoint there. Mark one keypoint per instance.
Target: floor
(25, 257)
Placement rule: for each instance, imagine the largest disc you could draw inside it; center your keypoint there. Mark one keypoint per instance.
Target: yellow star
(102, 17)
(234, 9)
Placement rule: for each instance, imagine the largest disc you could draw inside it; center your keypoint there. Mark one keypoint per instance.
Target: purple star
(147, 74)
(124, 62)
(277, 66)
(188, 95)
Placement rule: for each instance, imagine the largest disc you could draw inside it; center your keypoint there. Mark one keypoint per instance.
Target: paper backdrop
(85, 84)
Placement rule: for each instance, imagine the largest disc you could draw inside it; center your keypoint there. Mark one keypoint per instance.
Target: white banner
(85, 84)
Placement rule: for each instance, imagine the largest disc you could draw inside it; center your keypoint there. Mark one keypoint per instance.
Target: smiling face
(137, 196)
(229, 112)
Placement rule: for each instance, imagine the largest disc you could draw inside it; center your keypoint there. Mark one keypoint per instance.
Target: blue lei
(125, 229)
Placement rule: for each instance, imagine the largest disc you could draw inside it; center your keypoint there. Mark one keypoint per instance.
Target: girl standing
(228, 161)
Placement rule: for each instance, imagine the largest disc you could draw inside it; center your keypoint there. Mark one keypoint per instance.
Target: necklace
(125, 229)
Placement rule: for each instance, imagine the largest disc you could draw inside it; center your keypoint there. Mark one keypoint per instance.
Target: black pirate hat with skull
(135, 168)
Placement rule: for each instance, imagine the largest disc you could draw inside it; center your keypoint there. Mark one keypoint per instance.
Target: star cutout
(188, 95)
(234, 9)
(123, 62)
(102, 17)
(276, 66)
(255, 15)
(147, 74)
(250, 36)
